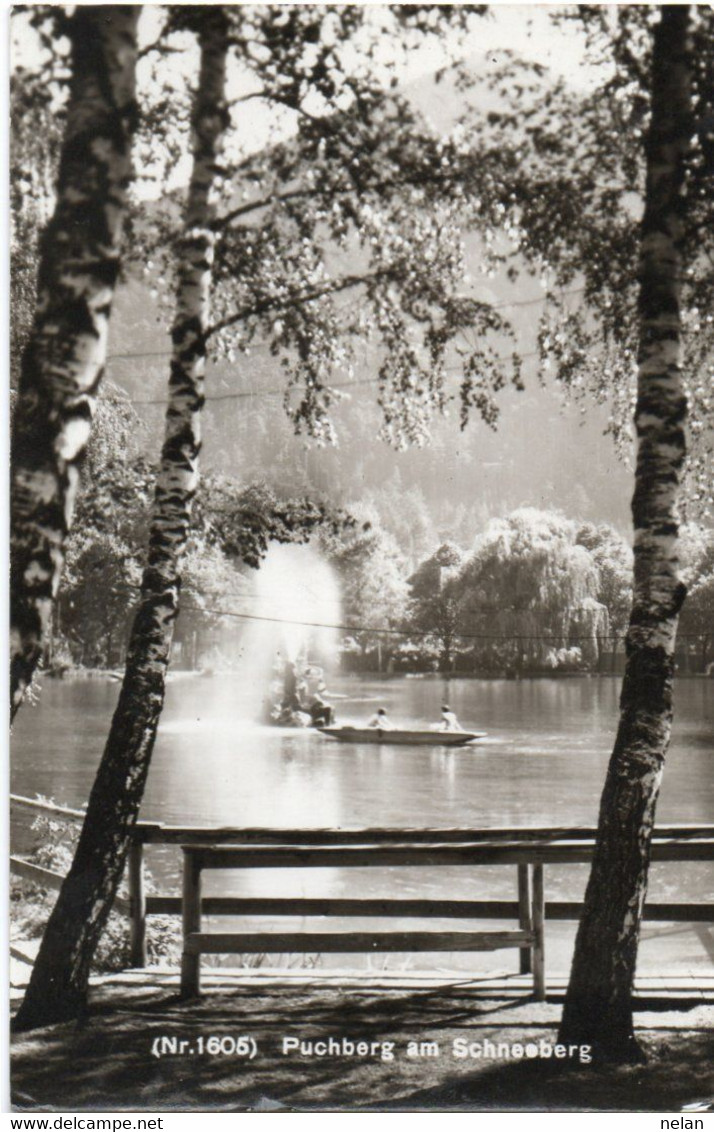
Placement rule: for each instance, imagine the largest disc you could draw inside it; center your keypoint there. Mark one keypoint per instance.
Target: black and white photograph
(361, 540)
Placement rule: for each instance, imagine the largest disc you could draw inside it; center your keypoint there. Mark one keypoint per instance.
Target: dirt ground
(107, 1062)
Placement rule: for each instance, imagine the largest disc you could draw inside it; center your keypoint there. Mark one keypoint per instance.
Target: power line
(423, 633)
(248, 595)
(246, 393)
(255, 348)
(254, 595)
(281, 392)
(265, 346)
(406, 632)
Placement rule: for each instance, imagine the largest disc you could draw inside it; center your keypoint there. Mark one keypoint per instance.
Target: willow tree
(615, 214)
(527, 592)
(63, 360)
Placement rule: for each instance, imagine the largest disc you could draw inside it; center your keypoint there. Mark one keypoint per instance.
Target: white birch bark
(63, 362)
(58, 986)
(598, 1008)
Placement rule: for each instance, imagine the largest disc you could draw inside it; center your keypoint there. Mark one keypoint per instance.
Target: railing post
(539, 933)
(191, 963)
(137, 905)
(524, 915)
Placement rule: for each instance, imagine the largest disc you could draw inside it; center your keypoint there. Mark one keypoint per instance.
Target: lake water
(543, 763)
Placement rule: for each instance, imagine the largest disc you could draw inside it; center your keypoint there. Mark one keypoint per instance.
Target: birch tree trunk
(598, 1006)
(58, 985)
(63, 362)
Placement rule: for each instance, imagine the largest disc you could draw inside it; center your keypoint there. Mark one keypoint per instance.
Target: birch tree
(614, 215)
(598, 1006)
(63, 361)
(58, 984)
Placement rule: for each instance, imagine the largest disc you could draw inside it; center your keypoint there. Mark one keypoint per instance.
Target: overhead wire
(248, 393)
(383, 631)
(265, 346)
(250, 595)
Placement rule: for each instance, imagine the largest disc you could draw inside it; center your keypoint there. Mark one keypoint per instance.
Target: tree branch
(248, 97)
(275, 304)
(331, 194)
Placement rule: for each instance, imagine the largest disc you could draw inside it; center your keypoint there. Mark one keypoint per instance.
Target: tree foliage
(244, 519)
(613, 558)
(347, 233)
(404, 513)
(528, 591)
(569, 204)
(372, 580)
(433, 610)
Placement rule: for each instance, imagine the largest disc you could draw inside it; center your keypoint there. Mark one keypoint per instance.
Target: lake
(543, 763)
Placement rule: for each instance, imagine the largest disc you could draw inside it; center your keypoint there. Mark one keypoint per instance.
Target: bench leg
(137, 897)
(524, 915)
(191, 963)
(539, 934)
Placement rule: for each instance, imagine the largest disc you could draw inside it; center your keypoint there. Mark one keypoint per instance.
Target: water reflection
(544, 758)
(543, 763)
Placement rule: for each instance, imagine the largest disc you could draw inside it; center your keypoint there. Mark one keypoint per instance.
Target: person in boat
(380, 720)
(321, 713)
(449, 722)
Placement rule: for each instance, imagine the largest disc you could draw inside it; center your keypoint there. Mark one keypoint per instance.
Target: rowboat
(412, 737)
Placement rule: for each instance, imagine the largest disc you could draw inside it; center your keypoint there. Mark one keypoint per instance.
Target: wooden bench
(473, 849)
(529, 848)
(529, 907)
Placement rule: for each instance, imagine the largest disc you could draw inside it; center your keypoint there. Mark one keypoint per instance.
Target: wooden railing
(28, 870)
(528, 849)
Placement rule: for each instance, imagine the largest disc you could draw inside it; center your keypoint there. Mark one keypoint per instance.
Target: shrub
(31, 903)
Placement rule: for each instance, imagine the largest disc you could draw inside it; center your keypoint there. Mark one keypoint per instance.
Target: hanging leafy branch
(571, 203)
(362, 195)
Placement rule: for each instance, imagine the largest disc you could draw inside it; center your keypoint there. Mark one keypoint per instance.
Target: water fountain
(294, 613)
